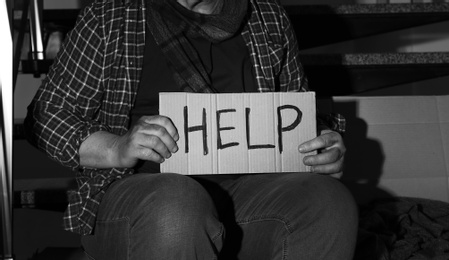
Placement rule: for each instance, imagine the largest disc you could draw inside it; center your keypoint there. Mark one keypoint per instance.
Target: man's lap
(266, 208)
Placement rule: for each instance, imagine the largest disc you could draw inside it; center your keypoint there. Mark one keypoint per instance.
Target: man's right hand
(152, 138)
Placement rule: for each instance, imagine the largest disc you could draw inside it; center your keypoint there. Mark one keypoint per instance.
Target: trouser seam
(128, 229)
(129, 236)
(105, 220)
(87, 254)
(262, 218)
(285, 248)
(220, 233)
(217, 236)
(277, 218)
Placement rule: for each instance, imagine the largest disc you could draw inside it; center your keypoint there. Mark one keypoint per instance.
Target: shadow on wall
(364, 157)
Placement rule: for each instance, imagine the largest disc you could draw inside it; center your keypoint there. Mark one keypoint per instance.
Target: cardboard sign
(239, 133)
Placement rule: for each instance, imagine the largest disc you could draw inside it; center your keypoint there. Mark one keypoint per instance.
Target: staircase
(334, 74)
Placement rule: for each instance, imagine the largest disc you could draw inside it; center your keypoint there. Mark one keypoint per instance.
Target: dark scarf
(170, 23)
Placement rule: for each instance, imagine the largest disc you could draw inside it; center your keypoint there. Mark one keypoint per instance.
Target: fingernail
(176, 137)
(306, 161)
(175, 149)
(301, 148)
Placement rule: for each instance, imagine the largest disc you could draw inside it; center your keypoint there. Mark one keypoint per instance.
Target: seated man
(97, 113)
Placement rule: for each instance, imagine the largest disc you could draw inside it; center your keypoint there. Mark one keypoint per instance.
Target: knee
(332, 201)
(175, 196)
(175, 207)
(157, 215)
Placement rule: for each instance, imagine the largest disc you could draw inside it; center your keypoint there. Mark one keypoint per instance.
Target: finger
(164, 122)
(326, 157)
(148, 154)
(149, 130)
(332, 168)
(337, 175)
(140, 146)
(320, 142)
(155, 143)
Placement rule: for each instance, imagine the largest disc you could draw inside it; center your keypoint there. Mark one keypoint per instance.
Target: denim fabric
(263, 216)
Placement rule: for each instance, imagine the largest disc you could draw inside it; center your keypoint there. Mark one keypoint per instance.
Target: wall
(382, 152)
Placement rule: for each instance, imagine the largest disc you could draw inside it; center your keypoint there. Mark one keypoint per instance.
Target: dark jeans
(264, 216)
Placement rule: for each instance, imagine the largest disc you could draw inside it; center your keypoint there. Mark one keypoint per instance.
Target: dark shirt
(227, 63)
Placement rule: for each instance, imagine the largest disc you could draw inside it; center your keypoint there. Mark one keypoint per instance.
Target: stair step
(61, 253)
(369, 9)
(346, 74)
(377, 59)
(43, 193)
(317, 25)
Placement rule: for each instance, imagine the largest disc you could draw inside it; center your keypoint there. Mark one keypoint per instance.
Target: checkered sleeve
(62, 113)
(332, 121)
(292, 76)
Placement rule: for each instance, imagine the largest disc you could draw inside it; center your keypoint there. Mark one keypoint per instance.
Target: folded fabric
(403, 228)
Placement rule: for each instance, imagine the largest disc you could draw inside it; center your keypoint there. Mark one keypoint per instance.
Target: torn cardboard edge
(239, 133)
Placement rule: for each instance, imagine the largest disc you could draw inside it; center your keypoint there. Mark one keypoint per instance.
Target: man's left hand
(331, 152)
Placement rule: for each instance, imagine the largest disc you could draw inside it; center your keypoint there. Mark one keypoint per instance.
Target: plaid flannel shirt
(93, 83)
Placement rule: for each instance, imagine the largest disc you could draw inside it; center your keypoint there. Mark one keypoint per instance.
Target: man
(96, 113)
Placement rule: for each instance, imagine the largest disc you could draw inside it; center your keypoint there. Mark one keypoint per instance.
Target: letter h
(202, 127)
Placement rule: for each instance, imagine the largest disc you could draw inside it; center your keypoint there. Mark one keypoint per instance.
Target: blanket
(403, 228)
